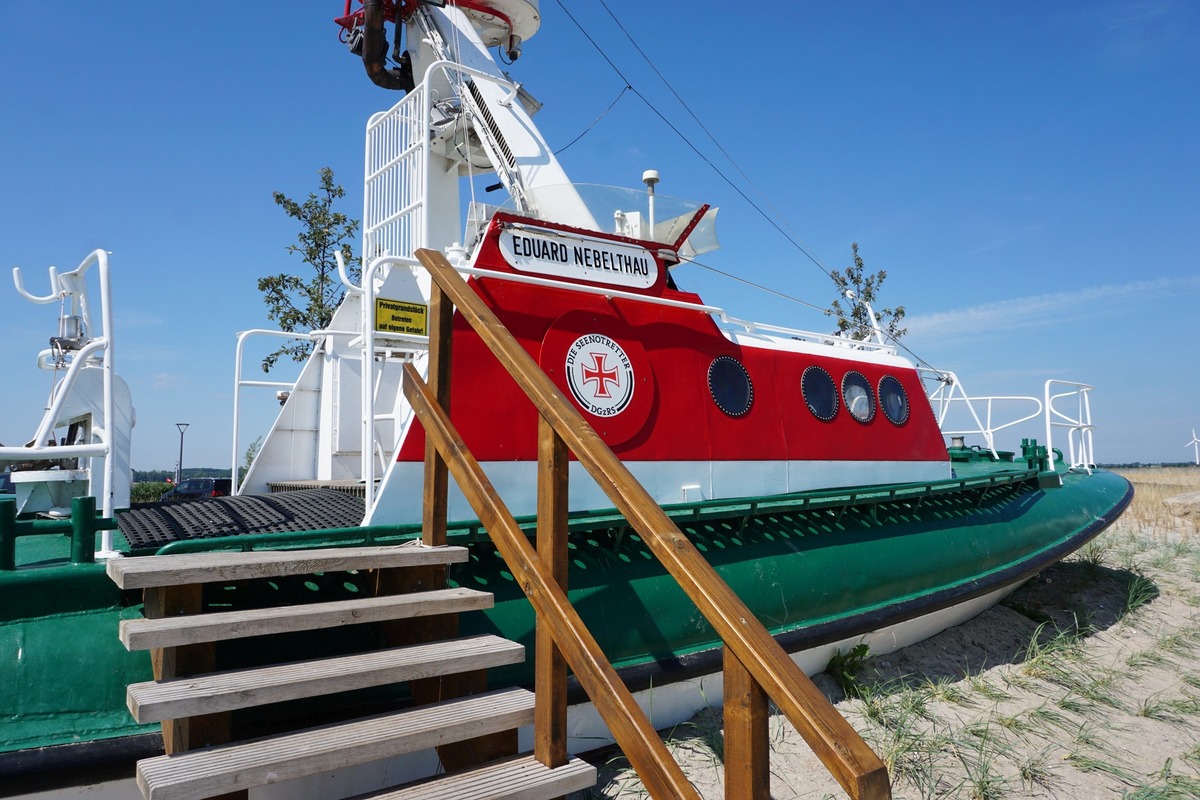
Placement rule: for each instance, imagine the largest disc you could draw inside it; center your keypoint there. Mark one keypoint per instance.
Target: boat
(826, 479)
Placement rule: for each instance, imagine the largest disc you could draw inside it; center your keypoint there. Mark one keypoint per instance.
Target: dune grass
(1102, 700)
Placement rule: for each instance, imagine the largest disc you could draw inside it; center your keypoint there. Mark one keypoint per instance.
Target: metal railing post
(8, 534)
(83, 530)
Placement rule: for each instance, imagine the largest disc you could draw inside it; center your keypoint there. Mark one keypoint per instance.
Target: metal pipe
(375, 47)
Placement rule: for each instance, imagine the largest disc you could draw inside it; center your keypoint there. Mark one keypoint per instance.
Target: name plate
(596, 260)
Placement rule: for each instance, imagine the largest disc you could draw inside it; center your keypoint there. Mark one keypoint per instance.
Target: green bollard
(83, 530)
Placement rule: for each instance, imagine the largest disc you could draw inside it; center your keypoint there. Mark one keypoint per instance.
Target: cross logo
(599, 375)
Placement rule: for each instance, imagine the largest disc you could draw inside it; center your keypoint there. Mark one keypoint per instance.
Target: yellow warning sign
(395, 316)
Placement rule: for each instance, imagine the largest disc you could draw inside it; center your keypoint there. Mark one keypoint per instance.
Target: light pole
(183, 426)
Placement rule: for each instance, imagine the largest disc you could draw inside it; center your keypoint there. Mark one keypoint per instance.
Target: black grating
(155, 525)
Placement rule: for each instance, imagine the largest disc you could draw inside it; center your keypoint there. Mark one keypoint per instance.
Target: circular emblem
(599, 375)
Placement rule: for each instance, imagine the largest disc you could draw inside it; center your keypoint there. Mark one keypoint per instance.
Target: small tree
(301, 306)
(853, 319)
(249, 456)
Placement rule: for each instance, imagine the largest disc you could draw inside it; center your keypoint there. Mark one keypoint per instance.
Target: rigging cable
(778, 215)
(603, 114)
(806, 304)
(769, 220)
(793, 240)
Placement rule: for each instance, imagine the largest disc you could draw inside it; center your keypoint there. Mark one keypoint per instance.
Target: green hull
(815, 568)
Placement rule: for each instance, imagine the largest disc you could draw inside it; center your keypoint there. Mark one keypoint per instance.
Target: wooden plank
(173, 662)
(216, 770)
(478, 749)
(747, 753)
(520, 778)
(550, 677)
(843, 752)
(139, 573)
(145, 634)
(154, 701)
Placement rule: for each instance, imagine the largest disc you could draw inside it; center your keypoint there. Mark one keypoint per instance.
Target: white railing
(396, 180)
(1080, 453)
(948, 394)
(240, 383)
(73, 284)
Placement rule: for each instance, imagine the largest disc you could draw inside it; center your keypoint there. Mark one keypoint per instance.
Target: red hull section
(649, 395)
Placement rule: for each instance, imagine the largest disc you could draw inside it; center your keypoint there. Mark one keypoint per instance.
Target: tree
(299, 306)
(853, 319)
(249, 456)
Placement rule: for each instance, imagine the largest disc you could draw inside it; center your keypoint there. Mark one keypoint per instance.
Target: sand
(1083, 684)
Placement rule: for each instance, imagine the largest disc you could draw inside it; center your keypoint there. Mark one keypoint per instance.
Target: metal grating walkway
(155, 525)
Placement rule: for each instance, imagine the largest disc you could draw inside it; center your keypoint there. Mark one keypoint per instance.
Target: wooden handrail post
(848, 758)
(433, 514)
(747, 757)
(662, 776)
(550, 682)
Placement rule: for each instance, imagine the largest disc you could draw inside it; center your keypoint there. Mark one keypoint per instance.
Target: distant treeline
(161, 475)
(1151, 464)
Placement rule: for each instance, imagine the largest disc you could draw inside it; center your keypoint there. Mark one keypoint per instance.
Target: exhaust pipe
(375, 48)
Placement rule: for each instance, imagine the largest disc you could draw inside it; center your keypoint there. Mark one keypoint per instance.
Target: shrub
(147, 492)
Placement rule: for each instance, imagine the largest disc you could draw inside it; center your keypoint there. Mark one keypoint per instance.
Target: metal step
(192, 568)
(147, 634)
(227, 768)
(155, 701)
(520, 778)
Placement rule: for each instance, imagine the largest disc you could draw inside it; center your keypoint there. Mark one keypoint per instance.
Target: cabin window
(858, 396)
(730, 386)
(893, 400)
(820, 393)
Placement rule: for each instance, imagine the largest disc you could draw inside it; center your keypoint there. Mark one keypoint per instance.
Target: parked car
(197, 488)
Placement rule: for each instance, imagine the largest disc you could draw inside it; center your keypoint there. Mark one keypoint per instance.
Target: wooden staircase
(194, 701)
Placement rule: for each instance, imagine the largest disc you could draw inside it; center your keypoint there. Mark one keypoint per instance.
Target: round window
(730, 386)
(857, 394)
(893, 400)
(820, 393)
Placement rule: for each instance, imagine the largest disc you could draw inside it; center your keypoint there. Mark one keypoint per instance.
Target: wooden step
(226, 768)
(190, 568)
(147, 634)
(519, 778)
(155, 701)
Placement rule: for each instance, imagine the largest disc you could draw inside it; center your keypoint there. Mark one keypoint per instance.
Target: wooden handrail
(630, 728)
(849, 759)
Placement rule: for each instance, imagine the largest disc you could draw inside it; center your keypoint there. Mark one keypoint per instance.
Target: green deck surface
(799, 561)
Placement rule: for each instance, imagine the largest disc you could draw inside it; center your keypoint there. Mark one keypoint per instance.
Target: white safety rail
(1077, 422)
(240, 383)
(396, 178)
(97, 351)
(376, 348)
(948, 394)
(396, 221)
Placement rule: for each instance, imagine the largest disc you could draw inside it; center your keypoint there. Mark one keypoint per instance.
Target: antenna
(1195, 445)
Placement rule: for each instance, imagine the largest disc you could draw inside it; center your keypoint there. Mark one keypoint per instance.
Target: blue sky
(1027, 173)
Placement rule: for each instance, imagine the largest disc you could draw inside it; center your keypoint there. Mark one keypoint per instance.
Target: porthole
(820, 393)
(858, 396)
(730, 386)
(893, 400)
